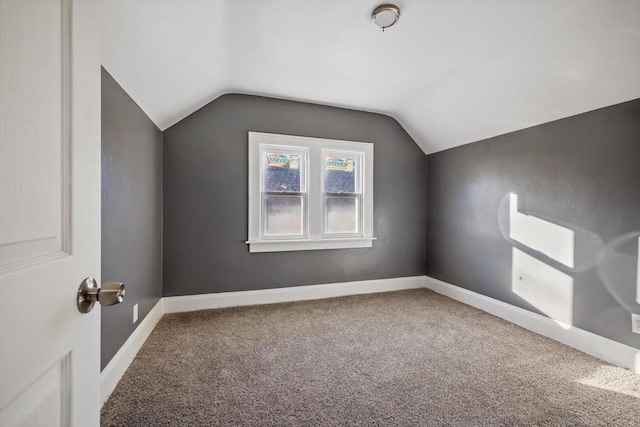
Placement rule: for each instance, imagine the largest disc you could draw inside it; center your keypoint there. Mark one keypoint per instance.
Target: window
(341, 193)
(309, 193)
(283, 192)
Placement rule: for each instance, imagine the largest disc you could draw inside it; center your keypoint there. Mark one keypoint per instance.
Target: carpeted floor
(402, 358)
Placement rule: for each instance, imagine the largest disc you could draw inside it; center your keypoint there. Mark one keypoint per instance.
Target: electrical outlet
(635, 323)
(135, 313)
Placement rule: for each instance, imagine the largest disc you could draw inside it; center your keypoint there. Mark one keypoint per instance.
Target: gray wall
(582, 173)
(131, 212)
(205, 199)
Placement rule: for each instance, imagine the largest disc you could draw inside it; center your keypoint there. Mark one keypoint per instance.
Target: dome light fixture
(384, 16)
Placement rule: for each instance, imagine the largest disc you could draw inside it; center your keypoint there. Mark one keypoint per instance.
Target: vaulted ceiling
(451, 72)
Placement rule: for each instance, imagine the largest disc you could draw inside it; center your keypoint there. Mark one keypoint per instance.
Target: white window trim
(315, 240)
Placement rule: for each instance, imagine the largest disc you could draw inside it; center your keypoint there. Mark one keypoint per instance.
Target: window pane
(341, 174)
(283, 215)
(282, 171)
(341, 214)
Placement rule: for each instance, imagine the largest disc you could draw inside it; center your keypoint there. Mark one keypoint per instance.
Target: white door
(49, 211)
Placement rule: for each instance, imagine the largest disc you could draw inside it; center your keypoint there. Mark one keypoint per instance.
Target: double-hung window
(341, 193)
(283, 192)
(309, 193)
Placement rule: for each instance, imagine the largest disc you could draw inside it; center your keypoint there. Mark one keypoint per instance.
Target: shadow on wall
(547, 254)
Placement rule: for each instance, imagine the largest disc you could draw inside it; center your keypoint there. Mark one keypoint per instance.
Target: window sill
(309, 244)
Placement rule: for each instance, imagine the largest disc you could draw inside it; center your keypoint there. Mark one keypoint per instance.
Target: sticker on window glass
(340, 174)
(279, 160)
(344, 164)
(282, 171)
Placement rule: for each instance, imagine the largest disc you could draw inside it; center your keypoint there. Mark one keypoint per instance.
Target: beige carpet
(402, 358)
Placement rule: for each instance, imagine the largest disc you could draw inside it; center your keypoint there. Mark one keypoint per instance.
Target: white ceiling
(451, 72)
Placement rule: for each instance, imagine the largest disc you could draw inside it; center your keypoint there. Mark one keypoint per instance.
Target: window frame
(316, 238)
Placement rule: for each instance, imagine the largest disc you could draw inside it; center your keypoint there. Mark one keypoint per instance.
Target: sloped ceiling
(451, 72)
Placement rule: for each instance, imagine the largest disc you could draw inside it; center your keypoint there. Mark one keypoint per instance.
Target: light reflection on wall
(544, 287)
(541, 285)
(553, 240)
(546, 254)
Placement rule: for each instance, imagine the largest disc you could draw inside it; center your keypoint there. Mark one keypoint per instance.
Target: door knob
(109, 294)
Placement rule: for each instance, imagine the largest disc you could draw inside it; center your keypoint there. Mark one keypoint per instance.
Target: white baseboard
(587, 342)
(296, 293)
(112, 373)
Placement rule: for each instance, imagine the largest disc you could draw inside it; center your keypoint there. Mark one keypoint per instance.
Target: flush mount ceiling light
(384, 16)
